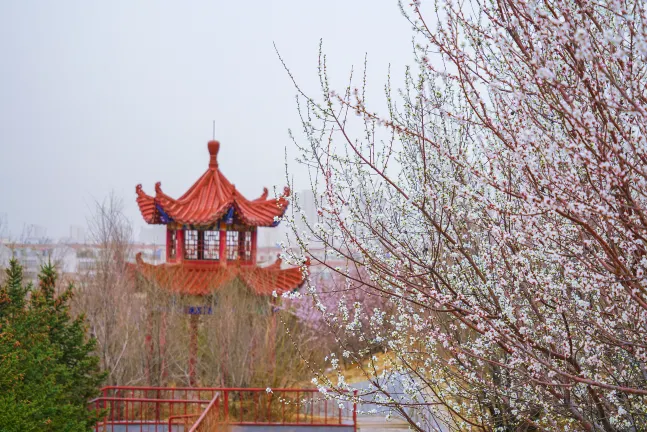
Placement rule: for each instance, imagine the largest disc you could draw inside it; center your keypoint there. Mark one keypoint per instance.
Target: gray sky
(100, 96)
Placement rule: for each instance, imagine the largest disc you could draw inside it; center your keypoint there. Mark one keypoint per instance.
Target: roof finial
(213, 147)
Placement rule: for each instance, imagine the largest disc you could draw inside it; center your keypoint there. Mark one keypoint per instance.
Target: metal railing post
(226, 405)
(105, 414)
(157, 407)
(355, 410)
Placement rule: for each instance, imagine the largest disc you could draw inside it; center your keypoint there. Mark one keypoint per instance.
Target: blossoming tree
(499, 207)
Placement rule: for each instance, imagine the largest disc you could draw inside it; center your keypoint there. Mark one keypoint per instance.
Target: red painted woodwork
(223, 248)
(148, 342)
(193, 349)
(209, 199)
(203, 278)
(180, 245)
(162, 342)
(254, 246)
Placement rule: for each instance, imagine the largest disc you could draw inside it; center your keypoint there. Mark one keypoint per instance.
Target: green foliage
(47, 370)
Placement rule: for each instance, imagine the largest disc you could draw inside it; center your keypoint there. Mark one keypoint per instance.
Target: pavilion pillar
(193, 348)
(272, 333)
(223, 245)
(148, 343)
(254, 243)
(169, 246)
(179, 238)
(162, 348)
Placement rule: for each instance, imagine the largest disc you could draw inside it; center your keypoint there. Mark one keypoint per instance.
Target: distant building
(155, 235)
(70, 258)
(31, 255)
(77, 234)
(271, 237)
(4, 225)
(35, 234)
(305, 207)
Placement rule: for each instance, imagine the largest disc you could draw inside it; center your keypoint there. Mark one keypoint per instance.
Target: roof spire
(213, 147)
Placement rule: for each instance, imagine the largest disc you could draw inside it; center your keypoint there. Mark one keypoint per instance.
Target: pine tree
(47, 370)
(12, 295)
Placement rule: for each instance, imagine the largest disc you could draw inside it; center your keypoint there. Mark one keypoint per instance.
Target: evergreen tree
(47, 370)
(12, 295)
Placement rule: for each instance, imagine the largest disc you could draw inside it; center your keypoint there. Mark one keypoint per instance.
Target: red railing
(146, 408)
(208, 421)
(295, 407)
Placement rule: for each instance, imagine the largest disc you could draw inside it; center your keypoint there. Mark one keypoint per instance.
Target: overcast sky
(100, 96)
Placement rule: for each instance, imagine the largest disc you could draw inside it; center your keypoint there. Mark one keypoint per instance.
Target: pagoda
(211, 238)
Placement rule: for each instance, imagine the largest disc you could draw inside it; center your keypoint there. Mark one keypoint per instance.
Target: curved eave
(252, 213)
(266, 281)
(261, 213)
(147, 207)
(198, 279)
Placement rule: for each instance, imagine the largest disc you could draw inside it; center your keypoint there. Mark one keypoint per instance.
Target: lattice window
(191, 244)
(211, 245)
(232, 245)
(172, 244)
(245, 245)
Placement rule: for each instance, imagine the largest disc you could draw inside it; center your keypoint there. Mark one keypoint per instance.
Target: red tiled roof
(199, 278)
(209, 199)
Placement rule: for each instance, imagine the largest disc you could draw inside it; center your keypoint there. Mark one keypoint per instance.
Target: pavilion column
(272, 333)
(193, 349)
(169, 245)
(223, 245)
(179, 238)
(162, 348)
(254, 243)
(148, 342)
